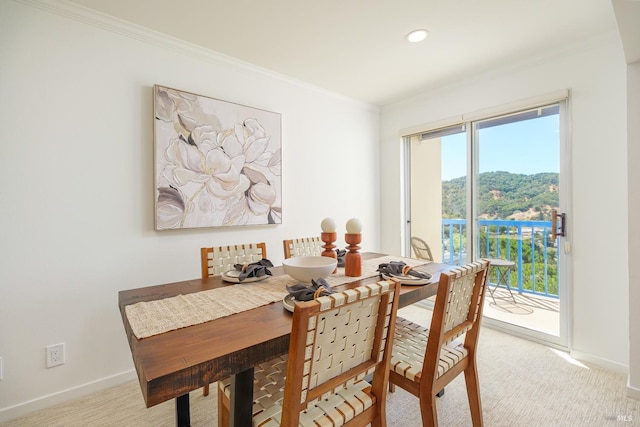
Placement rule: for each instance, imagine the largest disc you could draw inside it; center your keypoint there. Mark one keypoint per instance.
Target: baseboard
(600, 362)
(30, 406)
(632, 392)
(583, 357)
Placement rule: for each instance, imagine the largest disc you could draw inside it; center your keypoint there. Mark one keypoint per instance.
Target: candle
(354, 226)
(328, 225)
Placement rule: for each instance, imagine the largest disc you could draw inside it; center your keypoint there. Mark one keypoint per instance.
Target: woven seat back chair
(336, 341)
(421, 249)
(425, 360)
(307, 246)
(217, 260)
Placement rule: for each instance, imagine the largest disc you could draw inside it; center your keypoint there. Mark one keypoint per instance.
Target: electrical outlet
(55, 355)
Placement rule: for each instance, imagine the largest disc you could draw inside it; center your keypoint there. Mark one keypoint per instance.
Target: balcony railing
(527, 243)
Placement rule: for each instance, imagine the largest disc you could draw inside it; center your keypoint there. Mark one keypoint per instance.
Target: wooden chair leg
(428, 411)
(473, 394)
(205, 391)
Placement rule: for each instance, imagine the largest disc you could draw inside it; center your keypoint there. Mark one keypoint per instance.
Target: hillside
(504, 195)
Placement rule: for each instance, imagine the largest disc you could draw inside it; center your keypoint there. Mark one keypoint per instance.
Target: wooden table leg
(183, 419)
(241, 399)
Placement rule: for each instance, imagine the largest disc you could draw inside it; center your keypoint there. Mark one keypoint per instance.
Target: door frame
(565, 288)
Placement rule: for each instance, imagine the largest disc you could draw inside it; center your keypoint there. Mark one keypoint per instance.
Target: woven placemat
(155, 317)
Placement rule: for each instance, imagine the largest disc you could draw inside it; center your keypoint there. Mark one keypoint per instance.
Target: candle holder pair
(353, 237)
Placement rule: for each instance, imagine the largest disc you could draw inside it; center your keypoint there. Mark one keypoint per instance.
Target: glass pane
(517, 189)
(454, 201)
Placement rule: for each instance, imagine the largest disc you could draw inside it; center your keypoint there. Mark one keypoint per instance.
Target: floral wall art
(216, 163)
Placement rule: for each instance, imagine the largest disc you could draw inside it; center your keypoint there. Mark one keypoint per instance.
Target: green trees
(504, 196)
(454, 198)
(537, 261)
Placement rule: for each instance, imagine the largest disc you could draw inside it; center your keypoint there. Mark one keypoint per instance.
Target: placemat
(155, 317)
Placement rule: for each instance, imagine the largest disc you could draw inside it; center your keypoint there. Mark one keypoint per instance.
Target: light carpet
(522, 384)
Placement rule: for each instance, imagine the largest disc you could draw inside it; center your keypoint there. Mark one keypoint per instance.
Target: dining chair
(421, 249)
(216, 260)
(307, 246)
(425, 360)
(336, 341)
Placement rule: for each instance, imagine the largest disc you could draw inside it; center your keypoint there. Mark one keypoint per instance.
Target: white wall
(426, 198)
(77, 185)
(633, 126)
(595, 74)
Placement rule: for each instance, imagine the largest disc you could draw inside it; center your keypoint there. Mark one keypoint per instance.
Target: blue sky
(527, 147)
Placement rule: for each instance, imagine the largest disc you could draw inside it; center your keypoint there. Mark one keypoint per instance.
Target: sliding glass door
(489, 189)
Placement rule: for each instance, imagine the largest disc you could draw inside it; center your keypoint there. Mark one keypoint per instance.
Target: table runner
(155, 317)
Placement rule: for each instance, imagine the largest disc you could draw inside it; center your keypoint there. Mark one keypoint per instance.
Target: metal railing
(526, 243)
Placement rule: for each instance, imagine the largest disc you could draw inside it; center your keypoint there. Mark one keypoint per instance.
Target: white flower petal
(185, 155)
(184, 176)
(254, 127)
(164, 105)
(168, 216)
(256, 148)
(204, 135)
(170, 207)
(275, 158)
(187, 122)
(240, 133)
(263, 193)
(217, 162)
(232, 146)
(227, 189)
(237, 214)
(254, 175)
(261, 197)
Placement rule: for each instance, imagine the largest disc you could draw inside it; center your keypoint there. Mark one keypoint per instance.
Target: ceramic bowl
(307, 268)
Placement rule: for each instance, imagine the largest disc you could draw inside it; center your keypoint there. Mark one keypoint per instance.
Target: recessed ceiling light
(416, 36)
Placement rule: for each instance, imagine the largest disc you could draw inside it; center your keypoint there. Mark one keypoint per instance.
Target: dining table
(171, 364)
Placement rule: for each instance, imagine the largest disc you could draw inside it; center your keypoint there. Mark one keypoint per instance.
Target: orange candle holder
(352, 259)
(328, 239)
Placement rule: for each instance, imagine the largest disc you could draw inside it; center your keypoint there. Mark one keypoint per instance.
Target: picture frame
(216, 163)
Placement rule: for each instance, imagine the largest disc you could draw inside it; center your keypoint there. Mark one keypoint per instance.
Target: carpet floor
(522, 384)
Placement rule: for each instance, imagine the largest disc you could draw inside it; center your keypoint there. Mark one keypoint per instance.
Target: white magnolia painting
(216, 163)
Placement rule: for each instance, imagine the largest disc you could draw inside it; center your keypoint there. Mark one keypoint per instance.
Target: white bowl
(307, 268)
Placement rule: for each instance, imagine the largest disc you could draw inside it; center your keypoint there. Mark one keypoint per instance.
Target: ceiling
(357, 47)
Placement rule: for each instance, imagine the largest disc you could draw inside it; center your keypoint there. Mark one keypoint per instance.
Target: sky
(524, 147)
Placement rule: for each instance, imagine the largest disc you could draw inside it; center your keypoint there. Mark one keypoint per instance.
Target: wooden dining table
(171, 364)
